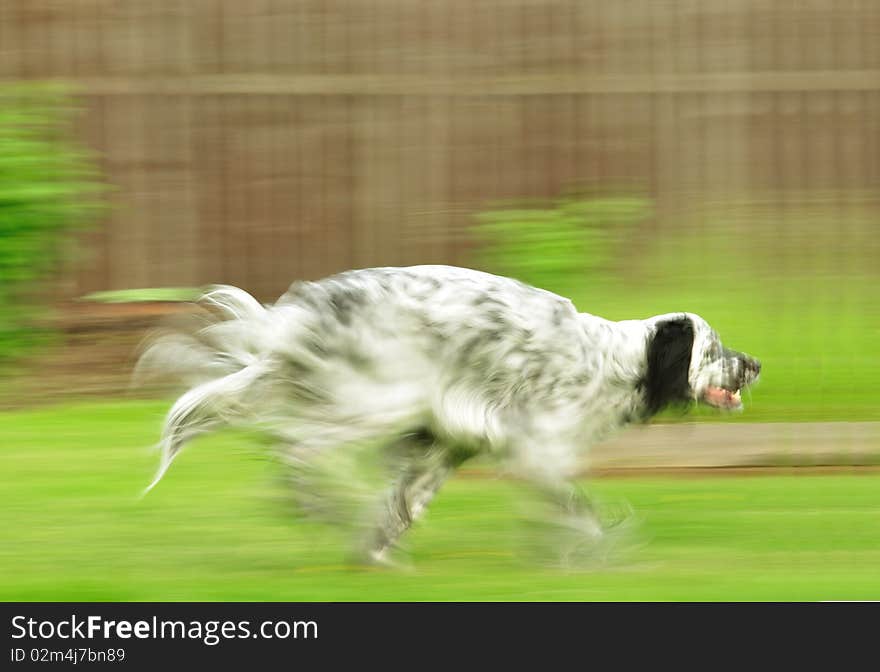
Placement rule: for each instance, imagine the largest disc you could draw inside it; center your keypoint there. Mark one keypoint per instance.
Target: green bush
(558, 247)
(48, 187)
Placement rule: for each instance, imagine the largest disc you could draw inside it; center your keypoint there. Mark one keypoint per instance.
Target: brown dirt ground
(91, 356)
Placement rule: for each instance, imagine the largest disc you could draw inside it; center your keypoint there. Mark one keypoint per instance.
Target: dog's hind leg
(419, 481)
(403, 505)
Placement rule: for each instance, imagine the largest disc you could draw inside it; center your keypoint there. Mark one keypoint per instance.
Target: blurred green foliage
(558, 247)
(216, 528)
(145, 294)
(48, 187)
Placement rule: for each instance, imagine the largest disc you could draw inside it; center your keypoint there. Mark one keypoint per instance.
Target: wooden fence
(258, 142)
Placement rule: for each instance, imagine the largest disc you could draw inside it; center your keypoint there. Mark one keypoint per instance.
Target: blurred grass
(74, 529)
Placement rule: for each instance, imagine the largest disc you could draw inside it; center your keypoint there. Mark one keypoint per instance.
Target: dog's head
(687, 362)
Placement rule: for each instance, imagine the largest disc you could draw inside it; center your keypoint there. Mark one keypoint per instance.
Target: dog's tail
(220, 362)
(203, 408)
(223, 339)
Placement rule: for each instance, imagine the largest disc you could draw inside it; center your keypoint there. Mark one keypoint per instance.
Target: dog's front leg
(573, 506)
(563, 523)
(563, 526)
(567, 529)
(550, 466)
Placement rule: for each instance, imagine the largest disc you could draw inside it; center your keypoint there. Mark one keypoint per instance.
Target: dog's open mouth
(722, 398)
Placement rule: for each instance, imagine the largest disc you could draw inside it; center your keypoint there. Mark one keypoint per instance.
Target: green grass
(74, 529)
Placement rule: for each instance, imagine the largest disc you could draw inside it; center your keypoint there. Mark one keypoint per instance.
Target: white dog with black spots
(430, 366)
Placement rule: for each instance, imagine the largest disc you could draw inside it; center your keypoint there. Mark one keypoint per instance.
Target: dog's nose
(753, 366)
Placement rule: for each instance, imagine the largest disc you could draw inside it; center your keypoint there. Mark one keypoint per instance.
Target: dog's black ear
(669, 359)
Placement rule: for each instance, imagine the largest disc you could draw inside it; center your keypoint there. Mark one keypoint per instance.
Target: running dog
(430, 366)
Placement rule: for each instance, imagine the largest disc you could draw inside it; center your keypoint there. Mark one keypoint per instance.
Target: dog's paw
(385, 558)
(582, 542)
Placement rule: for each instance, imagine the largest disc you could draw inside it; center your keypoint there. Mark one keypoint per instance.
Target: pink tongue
(718, 397)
